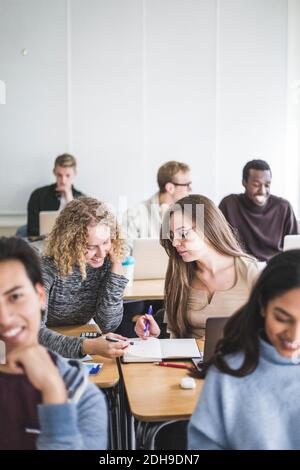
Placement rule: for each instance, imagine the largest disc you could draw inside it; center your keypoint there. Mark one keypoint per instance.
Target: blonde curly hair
(67, 242)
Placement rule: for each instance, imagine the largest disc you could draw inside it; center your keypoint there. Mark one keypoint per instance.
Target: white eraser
(187, 382)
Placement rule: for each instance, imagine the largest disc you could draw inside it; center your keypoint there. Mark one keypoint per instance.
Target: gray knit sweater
(72, 301)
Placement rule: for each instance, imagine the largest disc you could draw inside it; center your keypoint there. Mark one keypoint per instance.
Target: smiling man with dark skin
(259, 219)
(257, 186)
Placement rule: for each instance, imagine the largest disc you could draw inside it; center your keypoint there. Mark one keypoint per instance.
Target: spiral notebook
(153, 349)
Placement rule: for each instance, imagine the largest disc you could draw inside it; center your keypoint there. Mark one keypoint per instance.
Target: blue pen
(146, 329)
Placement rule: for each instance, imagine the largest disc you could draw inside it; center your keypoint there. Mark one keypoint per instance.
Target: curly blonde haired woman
(208, 273)
(82, 277)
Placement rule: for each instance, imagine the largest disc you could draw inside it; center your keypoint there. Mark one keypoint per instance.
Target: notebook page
(145, 349)
(186, 347)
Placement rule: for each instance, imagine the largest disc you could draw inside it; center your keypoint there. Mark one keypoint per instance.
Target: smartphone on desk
(90, 334)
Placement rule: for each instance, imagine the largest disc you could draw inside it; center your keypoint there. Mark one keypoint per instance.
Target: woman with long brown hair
(208, 273)
(83, 278)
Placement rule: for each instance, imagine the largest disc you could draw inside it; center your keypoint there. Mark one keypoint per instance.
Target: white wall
(251, 89)
(106, 75)
(291, 168)
(128, 84)
(179, 88)
(33, 122)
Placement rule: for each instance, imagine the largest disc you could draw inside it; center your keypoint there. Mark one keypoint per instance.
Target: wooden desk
(109, 375)
(156, 399)
(145, 289)
(154, 392)
(108, 381)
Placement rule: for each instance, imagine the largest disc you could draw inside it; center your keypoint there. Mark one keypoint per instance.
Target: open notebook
(154, 349)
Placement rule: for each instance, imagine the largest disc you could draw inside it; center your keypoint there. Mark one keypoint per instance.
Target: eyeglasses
(180, 234)
(188, 185)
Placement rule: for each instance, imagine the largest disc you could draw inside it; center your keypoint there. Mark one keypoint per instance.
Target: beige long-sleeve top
(222, 303)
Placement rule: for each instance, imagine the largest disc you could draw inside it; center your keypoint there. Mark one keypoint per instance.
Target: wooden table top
(154, 392)
(145, 289)
(109, 375)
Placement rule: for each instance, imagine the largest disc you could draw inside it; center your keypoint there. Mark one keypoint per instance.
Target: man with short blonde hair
(65, 160)
(55, 196)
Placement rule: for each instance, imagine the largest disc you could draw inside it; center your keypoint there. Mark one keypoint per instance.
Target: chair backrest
(159, 318)
(22, 231)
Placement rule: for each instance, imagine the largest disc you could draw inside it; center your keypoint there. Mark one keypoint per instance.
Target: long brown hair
(67, 242)
(180, 274)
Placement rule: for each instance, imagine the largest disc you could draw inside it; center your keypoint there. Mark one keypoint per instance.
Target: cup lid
(128, 260)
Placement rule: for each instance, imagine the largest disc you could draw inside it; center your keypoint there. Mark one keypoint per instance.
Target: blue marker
(146, 329)
(95, 369)
(92, 368)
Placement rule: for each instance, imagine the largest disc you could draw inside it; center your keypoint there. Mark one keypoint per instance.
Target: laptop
(151, 260)
(291, 242)
(47, 220)
(213, 332)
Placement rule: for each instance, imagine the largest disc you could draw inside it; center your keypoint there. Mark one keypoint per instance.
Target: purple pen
(146, 329)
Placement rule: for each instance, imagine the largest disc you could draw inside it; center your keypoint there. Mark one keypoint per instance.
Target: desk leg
(113, 398)
(146, 433)
(126, 418)
(127, 421)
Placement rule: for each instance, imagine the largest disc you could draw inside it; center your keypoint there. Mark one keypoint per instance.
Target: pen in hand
(146, 329)
(115, 340)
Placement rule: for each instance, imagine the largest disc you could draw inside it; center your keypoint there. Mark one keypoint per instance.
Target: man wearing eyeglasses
(144, 220)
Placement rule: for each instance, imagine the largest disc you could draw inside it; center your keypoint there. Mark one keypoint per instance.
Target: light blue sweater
(80, 424)
(258, 411)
